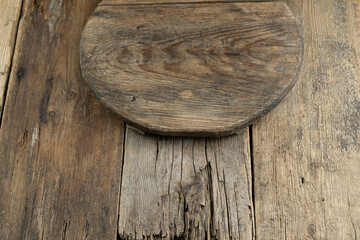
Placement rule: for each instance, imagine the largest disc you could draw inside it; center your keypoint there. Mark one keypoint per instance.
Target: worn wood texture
(60, 150)
(9, 19)
(171, 69)
(53, 145)
(190, 188)
(307, 151)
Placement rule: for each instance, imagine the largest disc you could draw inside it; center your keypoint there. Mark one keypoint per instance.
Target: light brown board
(9, 19)
(186, 188)
(307, 150)
(60, 150)
(205, 69)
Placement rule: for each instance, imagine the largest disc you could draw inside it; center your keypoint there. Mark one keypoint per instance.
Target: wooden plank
(9, 19)
(61, 151)
(170, 69)
(307, 151)
(187, 188)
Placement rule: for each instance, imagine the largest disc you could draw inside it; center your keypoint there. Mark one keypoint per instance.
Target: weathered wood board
(307, 150)
(60, 150)
(200, 69)
(9, 19)
(187, 188)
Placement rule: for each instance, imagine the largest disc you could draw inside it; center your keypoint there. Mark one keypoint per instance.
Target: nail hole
(311, 229)
(302, 180)
(52, 114)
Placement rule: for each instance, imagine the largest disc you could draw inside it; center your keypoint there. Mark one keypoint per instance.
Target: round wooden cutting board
(191, 69)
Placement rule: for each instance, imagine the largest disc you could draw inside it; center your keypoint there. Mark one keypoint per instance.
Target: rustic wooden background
(70, 169)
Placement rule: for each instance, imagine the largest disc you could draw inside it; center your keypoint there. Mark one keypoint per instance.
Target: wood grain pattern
(307, 151)
(9, 19)
(60, 150)
(186, 188)
(172, 69)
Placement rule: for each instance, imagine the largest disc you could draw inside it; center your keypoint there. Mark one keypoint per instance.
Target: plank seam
(252, 172)
(120, 185)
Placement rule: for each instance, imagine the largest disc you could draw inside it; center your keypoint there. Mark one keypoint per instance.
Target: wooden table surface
(70, 169)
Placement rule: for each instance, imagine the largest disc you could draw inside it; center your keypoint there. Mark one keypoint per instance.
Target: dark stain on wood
(20, 73)
(45, 99)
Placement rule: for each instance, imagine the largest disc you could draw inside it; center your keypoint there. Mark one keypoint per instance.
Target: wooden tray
(191, 69)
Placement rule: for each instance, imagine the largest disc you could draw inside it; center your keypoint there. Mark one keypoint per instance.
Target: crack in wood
(251, 180)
